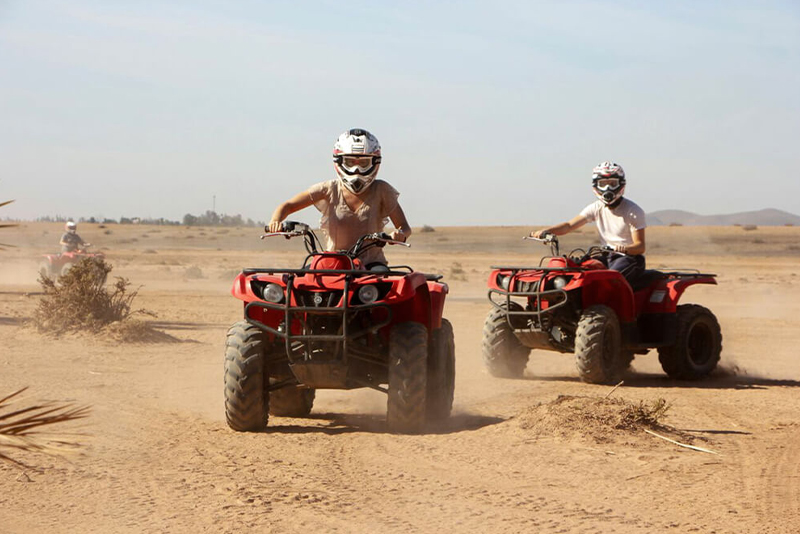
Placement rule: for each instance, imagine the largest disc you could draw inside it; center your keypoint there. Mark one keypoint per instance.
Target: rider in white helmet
(620, 221)
(355, 203)
(71, 241)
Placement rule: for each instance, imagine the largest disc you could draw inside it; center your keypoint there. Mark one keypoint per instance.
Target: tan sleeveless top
(343, 226)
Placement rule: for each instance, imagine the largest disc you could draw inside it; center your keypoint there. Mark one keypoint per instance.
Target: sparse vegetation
(595, 417)
(193, 272)
(80, 301)
(749, 227)
(21, 428)
(427, 229)
(457, 272)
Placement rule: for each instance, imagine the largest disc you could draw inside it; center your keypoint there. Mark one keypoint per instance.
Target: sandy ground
(160, 457)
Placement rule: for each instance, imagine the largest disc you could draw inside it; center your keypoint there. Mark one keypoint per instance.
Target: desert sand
(160, 458)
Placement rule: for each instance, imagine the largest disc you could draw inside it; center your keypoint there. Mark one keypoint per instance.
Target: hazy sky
(488, 112)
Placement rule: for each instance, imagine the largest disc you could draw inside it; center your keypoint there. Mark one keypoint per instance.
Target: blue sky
(488, 114)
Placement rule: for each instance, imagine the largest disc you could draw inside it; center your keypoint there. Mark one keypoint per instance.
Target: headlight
(368, 294)
(273, 293)
(560, 282)
(503, 281)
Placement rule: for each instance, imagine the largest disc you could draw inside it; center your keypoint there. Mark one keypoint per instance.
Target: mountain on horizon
(765, 217)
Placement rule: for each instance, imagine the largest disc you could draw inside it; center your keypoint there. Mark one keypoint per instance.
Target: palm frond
(7, 202)
(22, 429)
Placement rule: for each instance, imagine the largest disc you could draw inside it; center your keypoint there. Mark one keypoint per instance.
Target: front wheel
(598, 346)
(44, 270)
(698, 344)
(441, 373)
(408, 355)
(246, 396)
(504, 355)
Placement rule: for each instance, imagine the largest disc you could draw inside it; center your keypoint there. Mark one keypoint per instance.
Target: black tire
(65, 269)
(441, 382)
(246, 397)
(504, 355)
(408, 360)
(698, 344)
(291, 401)
(598, 346)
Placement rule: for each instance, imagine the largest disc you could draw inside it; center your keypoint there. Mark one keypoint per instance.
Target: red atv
(576, 304)
(333, 324)
(56, 265)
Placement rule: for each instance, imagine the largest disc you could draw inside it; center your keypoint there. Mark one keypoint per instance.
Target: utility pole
(214, 204)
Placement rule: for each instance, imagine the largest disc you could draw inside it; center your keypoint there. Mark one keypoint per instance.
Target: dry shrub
(193, 272)
(749, 227)
(427, 229)
(21, 428)
(80, 301)
(599, 418)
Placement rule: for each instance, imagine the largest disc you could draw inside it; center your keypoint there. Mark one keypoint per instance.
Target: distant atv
(332, 324)
(577, 305)
(57, 265)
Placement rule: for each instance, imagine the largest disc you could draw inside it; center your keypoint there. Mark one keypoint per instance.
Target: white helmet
(608, 181)
(70, 226)
(357, 158)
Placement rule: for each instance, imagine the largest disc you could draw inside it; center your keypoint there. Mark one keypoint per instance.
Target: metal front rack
(343, 310)
(555, 298)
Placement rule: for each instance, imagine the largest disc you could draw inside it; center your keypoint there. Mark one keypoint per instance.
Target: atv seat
(644, 280)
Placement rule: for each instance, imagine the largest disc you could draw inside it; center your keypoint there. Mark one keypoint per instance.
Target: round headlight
(559, 282)
(368, 294)
(503, 281)
(273, 293)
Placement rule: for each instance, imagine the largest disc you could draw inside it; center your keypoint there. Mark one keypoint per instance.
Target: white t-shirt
(616, 225)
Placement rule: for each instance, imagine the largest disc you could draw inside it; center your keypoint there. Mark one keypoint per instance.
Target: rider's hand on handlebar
(398, 235)
(274, 226)
(622, 249)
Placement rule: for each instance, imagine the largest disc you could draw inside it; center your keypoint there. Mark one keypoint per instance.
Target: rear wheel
(504, 355)
(291, 401)
(441, 381)
(698, 344)
(246, 397)
(598, 353)
(408, 355)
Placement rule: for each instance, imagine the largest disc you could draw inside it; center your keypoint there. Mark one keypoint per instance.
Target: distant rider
(620, 221)
(71, 241)
(355, 203)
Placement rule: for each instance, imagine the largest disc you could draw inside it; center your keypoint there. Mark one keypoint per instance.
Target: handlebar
(290, 229)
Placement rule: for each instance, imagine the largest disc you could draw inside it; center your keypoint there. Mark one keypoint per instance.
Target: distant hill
(765, 217)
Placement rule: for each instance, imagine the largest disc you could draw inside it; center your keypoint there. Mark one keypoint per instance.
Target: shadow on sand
(338, 423)
(718, 380)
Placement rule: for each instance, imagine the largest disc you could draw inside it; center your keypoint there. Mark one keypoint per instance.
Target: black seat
(644, 280)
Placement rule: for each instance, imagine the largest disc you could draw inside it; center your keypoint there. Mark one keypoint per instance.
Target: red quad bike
(576, 304)
(333, 324)
(56, 265)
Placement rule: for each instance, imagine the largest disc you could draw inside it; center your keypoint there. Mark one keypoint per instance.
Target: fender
(609, 288)
(666, 294)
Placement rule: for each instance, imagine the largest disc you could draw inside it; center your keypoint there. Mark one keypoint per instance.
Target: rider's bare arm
(638, 246)
(403, 230)
(563, 228)
(296, 203)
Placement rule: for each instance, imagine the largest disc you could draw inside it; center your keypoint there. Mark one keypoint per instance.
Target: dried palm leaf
(23, 429)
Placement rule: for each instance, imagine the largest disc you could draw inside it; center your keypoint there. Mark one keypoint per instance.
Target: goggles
(604, 184)
(357, 163)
